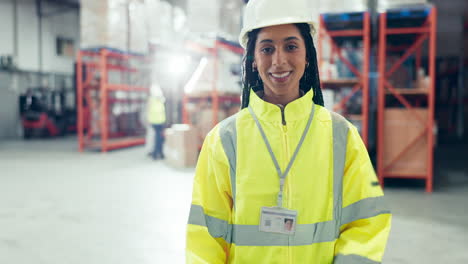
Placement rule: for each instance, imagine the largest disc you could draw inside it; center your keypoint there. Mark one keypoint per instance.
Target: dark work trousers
(158, 141)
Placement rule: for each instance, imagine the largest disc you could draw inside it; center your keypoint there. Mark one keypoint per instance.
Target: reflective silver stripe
(216, 227)
(228, 135)
(249, 235)
(306, 234)
(353, 259)
(340, 140)
(365, 208)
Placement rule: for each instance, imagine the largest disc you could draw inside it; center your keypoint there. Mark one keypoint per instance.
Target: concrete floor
(58, 206)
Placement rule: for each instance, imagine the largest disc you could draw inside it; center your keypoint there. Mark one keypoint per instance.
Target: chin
(283, 90)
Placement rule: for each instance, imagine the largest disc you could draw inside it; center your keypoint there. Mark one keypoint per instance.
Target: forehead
(279, 32)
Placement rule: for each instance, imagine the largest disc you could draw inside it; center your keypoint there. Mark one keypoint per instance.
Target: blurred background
(78, 179)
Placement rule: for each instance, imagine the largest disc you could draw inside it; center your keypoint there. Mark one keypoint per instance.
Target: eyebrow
(286, 39)
(291, 38)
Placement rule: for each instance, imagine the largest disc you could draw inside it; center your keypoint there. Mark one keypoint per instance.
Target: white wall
(9, 120)
(28, 44)
(64, 25)
(6, 27)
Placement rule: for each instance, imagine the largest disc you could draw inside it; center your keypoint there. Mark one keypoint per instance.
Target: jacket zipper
(286, 151)
(283, 119)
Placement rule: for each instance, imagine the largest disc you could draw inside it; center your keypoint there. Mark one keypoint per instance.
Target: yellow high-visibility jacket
(341, 219)
(156, 111)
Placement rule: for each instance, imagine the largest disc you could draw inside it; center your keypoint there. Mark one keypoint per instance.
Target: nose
(279, 58)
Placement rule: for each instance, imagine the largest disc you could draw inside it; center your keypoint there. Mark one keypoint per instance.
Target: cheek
(262, 62)
(301, 64)
(263, 67)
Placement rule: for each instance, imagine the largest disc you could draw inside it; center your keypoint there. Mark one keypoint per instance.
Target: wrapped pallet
(117, 24)
(104, 23)
(160, 16)
(214, 18)
(389, 4)
(223, 72)
(334, 6)
(138, 27)
(203, 16)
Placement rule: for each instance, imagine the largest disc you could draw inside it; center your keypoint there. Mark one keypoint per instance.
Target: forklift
(43, 113)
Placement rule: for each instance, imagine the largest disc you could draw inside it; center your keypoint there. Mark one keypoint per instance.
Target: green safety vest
(156, 111)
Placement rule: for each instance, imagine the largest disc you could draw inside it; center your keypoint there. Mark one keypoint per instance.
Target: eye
(267, 50)
(291, 47)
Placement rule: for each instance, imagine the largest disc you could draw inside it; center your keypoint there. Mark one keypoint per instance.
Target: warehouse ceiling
(180, 3)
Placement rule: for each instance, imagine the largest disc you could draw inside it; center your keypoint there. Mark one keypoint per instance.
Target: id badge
(278, 220)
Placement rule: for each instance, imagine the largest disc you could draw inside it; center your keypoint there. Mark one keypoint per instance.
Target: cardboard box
(401, 129)
(181, 146)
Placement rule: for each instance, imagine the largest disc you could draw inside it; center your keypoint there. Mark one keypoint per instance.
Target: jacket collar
(295, 110)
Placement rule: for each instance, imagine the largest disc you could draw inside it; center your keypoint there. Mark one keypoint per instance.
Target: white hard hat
(264, 13)
(156, 91)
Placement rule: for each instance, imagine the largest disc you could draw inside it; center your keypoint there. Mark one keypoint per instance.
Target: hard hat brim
(243, 36)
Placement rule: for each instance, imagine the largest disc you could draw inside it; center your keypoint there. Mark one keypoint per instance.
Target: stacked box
(117, 24)
(205, 120)
(401, 128)
(402, 77)
(203, 16)
(104, 23)
(334, 6)
(387, 4)
(138, 31)
(181, 146)
(229, 79)
(214, 18)
(160, 22)
(226, 68)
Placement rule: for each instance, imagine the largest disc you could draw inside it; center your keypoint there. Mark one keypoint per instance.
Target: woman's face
(280, 58)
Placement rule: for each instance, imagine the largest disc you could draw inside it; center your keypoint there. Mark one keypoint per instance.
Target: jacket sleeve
(208, 230)
(365, 219)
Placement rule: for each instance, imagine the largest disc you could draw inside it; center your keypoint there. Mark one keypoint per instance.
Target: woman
(283, 159)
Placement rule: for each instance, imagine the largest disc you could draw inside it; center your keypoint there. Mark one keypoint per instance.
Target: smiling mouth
(281, 77)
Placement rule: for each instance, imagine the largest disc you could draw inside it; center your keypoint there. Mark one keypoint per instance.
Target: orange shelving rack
(214, 96)
(405, 131)
(112, 90)
(337, 28)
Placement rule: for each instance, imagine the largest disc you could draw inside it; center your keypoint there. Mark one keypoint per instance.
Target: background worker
(157, 120)
(284, 155)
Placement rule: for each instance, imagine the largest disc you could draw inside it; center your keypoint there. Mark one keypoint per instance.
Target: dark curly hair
(310, 79)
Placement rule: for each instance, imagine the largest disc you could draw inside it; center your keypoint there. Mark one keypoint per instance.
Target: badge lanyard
(282, 175)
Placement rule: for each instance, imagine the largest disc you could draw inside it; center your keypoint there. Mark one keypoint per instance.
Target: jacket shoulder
(223, 131)
(227, 130)
(339, 124)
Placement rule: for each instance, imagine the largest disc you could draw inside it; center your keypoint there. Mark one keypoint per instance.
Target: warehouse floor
(59, 206)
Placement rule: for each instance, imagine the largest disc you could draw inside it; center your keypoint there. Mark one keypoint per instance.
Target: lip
(280, 77)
